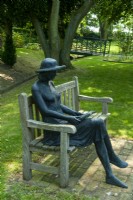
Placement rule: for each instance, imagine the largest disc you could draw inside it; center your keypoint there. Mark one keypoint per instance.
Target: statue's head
(48, 65)
(48, 69)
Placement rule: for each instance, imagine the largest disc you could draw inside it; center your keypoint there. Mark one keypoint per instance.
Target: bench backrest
(69, 93)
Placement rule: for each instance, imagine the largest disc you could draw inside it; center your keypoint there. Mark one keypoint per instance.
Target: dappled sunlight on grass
(89, 58)
(127, 123)
(121, 133)
(13, 166)
(5, 77)
(114, 114)
(91, 90)
(9, 106)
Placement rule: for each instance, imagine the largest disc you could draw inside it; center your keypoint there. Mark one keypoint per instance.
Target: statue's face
(50, 75)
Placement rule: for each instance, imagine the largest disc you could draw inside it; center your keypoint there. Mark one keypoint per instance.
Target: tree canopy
(56, 21)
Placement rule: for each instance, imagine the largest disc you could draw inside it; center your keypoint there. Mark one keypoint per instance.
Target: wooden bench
(33, 129)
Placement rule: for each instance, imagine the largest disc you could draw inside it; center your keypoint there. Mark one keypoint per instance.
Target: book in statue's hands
(84, 116)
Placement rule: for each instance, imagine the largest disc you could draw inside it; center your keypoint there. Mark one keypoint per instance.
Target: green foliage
(27, 34)
(18, 39)
(33, 46)
(124, 42)
(9, 53)
(85, 26)
(113, 11)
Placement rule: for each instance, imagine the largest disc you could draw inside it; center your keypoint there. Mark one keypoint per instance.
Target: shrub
(18, 39)
(33, 46)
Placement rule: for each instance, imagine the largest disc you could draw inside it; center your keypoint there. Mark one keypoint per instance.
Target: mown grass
(96, 78)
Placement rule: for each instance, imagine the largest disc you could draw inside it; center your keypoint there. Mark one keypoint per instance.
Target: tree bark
(104, 29)
(53, 30)
(41, 36)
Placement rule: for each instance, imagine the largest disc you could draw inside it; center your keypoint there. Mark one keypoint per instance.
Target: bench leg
(64, 161)
(27, 154)
(27, 172)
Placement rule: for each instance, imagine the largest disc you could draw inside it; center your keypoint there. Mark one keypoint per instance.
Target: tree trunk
(9, 53)
(53, 48)
(41, 36)
(104, 29)
(53, 30)
(71, 30)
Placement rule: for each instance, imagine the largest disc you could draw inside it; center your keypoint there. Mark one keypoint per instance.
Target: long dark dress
(88, 130)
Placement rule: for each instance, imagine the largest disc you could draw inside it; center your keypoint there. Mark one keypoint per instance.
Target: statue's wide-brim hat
(49, 64)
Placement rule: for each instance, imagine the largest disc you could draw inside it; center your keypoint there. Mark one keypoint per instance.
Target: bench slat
(35, 141)
(65, 86)
(49, 169)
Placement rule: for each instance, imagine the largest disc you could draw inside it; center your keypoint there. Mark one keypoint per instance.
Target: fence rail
(90, 46)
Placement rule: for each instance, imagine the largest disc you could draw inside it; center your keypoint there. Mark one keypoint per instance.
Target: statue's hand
(84, 116)
(75, 120)
(78, 113)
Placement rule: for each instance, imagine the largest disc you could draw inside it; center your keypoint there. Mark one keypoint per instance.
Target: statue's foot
(118, 162)
(112, 180)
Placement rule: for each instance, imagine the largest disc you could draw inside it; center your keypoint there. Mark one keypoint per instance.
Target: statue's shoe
(118, 162)
(112, 180)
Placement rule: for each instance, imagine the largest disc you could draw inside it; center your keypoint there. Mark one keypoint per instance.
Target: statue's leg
(104, 158)
(114, 159)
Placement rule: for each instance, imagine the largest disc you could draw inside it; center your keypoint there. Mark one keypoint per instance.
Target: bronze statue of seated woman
(89, 130)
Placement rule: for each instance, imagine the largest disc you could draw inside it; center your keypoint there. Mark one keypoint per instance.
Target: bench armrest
(96, 99)
(52, 127)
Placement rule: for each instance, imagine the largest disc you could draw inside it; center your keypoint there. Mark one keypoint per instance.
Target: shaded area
(11, 77)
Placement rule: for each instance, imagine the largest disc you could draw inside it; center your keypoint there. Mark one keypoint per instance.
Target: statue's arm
(70, 111)
(40, 102)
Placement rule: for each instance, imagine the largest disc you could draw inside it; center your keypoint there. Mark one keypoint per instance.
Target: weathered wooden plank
(51, 148)
(70, 98)
(73, 100)
(95, 99)
(39, 144)
(104, 108)
(48, 150)
(76, 94)
(40, 167)
(43, 150)
(35, 141)
(97, 115)
(27, 136)
(54, 127)
(38, 118)
(64, 97)
(64, 160)
(65, 86)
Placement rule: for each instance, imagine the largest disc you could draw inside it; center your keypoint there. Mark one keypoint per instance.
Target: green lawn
(96, 78)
